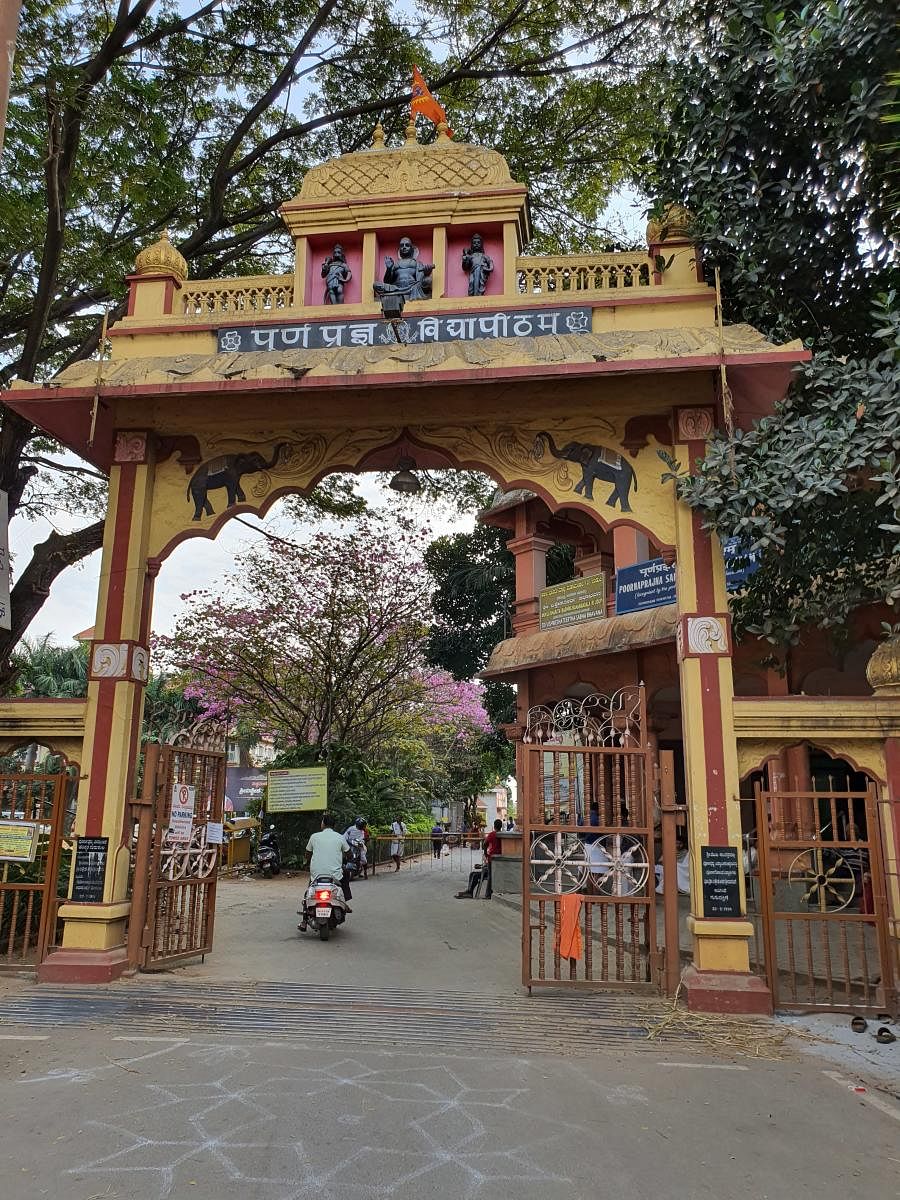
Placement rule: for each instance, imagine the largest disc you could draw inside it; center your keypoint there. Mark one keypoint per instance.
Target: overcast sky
(196, 563)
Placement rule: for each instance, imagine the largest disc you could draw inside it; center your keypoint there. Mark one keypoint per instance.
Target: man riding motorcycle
(355, 836)
(326, 850)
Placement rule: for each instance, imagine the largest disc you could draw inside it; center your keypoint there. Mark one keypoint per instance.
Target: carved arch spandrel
(514, 455)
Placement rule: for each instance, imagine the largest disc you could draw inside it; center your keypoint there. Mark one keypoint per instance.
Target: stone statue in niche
(408, 277)
(336, 273)
(477, 265)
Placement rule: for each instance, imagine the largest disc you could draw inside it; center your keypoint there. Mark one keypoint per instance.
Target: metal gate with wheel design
(817, 898)
(175, 867)
(589, 879)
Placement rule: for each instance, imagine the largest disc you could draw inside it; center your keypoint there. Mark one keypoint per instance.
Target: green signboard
(573, 602)
(297, 789)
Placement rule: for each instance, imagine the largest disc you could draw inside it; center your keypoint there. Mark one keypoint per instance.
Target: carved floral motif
(706, 635)
(695, 424)
(131, 446)
(109, 660)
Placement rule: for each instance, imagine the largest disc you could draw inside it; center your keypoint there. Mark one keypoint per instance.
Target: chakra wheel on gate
(619, 865)
(826, 877)
(558, 863)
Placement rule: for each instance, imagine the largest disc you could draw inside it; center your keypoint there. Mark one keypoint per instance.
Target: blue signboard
(652, 583)
(739, 563)
(644, 585)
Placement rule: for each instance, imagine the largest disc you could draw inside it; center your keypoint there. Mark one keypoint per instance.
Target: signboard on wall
(5, 610)
(651, 584)
(721, 882)
(572, 602)
(644, 585)
(18, 841)
(89, 869)
(460, 327)
(297, 789)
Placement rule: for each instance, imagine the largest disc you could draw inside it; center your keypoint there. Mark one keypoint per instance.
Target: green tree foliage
(774, 140)
(475, 583)
(202, 117)
(44, 669)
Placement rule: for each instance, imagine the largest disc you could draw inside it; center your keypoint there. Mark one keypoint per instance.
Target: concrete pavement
(401, 1059)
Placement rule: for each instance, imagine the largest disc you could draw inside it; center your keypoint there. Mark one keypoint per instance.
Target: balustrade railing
(256, 294)
(540, 275)
(543, 274)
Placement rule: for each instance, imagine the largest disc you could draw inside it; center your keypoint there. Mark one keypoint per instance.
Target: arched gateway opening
(563, 378)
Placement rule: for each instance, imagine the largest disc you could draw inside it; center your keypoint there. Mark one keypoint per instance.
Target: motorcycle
(324, 906)
(268, 853)
(355, 861)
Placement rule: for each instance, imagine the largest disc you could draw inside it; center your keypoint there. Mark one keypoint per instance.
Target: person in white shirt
(399, 830)
(355, 834)
(326, 849)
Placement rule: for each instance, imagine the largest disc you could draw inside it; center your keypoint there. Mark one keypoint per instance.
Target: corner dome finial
(162, 258)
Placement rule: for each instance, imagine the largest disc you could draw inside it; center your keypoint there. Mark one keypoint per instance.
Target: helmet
(361, 822)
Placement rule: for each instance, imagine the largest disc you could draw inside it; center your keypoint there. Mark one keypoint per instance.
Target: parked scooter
(268, 853)
(324, 906)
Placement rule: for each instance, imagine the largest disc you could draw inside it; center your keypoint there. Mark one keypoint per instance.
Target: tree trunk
(32, 587)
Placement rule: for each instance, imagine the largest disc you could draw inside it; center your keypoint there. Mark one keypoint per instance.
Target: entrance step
(548, 1023)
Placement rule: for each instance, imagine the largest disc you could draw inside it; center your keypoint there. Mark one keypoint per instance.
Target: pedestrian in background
(399, 830)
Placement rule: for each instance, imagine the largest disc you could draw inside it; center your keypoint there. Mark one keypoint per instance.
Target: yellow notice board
(18, 841)
(570, 603)
(297, 789)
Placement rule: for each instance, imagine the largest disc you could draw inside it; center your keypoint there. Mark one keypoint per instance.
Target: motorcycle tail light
(324, 894)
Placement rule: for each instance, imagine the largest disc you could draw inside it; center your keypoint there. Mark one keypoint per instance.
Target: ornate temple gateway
(413, 330)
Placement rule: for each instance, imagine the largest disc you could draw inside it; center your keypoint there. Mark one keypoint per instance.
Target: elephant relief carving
(226, 472)
(596, 462)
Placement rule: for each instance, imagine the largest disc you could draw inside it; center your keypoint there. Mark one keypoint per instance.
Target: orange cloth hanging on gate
(568, 937)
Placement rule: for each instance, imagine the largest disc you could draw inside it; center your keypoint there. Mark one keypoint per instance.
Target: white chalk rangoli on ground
(319, 1131)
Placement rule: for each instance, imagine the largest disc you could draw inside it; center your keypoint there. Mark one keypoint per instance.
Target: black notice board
(721, 882)
(90, 869)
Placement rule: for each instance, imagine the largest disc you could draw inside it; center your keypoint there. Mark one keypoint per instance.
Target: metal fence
(452, 852)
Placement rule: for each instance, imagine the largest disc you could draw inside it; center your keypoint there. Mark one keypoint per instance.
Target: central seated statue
(407, 278)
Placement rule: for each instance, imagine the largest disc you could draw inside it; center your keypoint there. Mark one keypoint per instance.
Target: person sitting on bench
(492, 846)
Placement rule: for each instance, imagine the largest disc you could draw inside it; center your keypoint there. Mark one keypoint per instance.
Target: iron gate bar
(608, 866)
(181, 877)
(807, 972)
(42, 799)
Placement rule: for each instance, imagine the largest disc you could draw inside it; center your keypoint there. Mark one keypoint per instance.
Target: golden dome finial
(673, 226)
(162, 258)
(443, 132)
(883, 668)
(378, 137)
(411, 139)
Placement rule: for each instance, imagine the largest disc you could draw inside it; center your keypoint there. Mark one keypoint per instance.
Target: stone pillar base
(726, 992)
(83, 966)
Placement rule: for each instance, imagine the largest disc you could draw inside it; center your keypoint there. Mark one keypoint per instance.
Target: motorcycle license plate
(323, 912)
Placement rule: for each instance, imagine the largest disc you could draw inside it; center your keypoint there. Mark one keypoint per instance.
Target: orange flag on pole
(423, 102)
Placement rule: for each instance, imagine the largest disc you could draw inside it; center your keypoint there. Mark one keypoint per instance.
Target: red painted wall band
(118, 564)
(714, 750)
